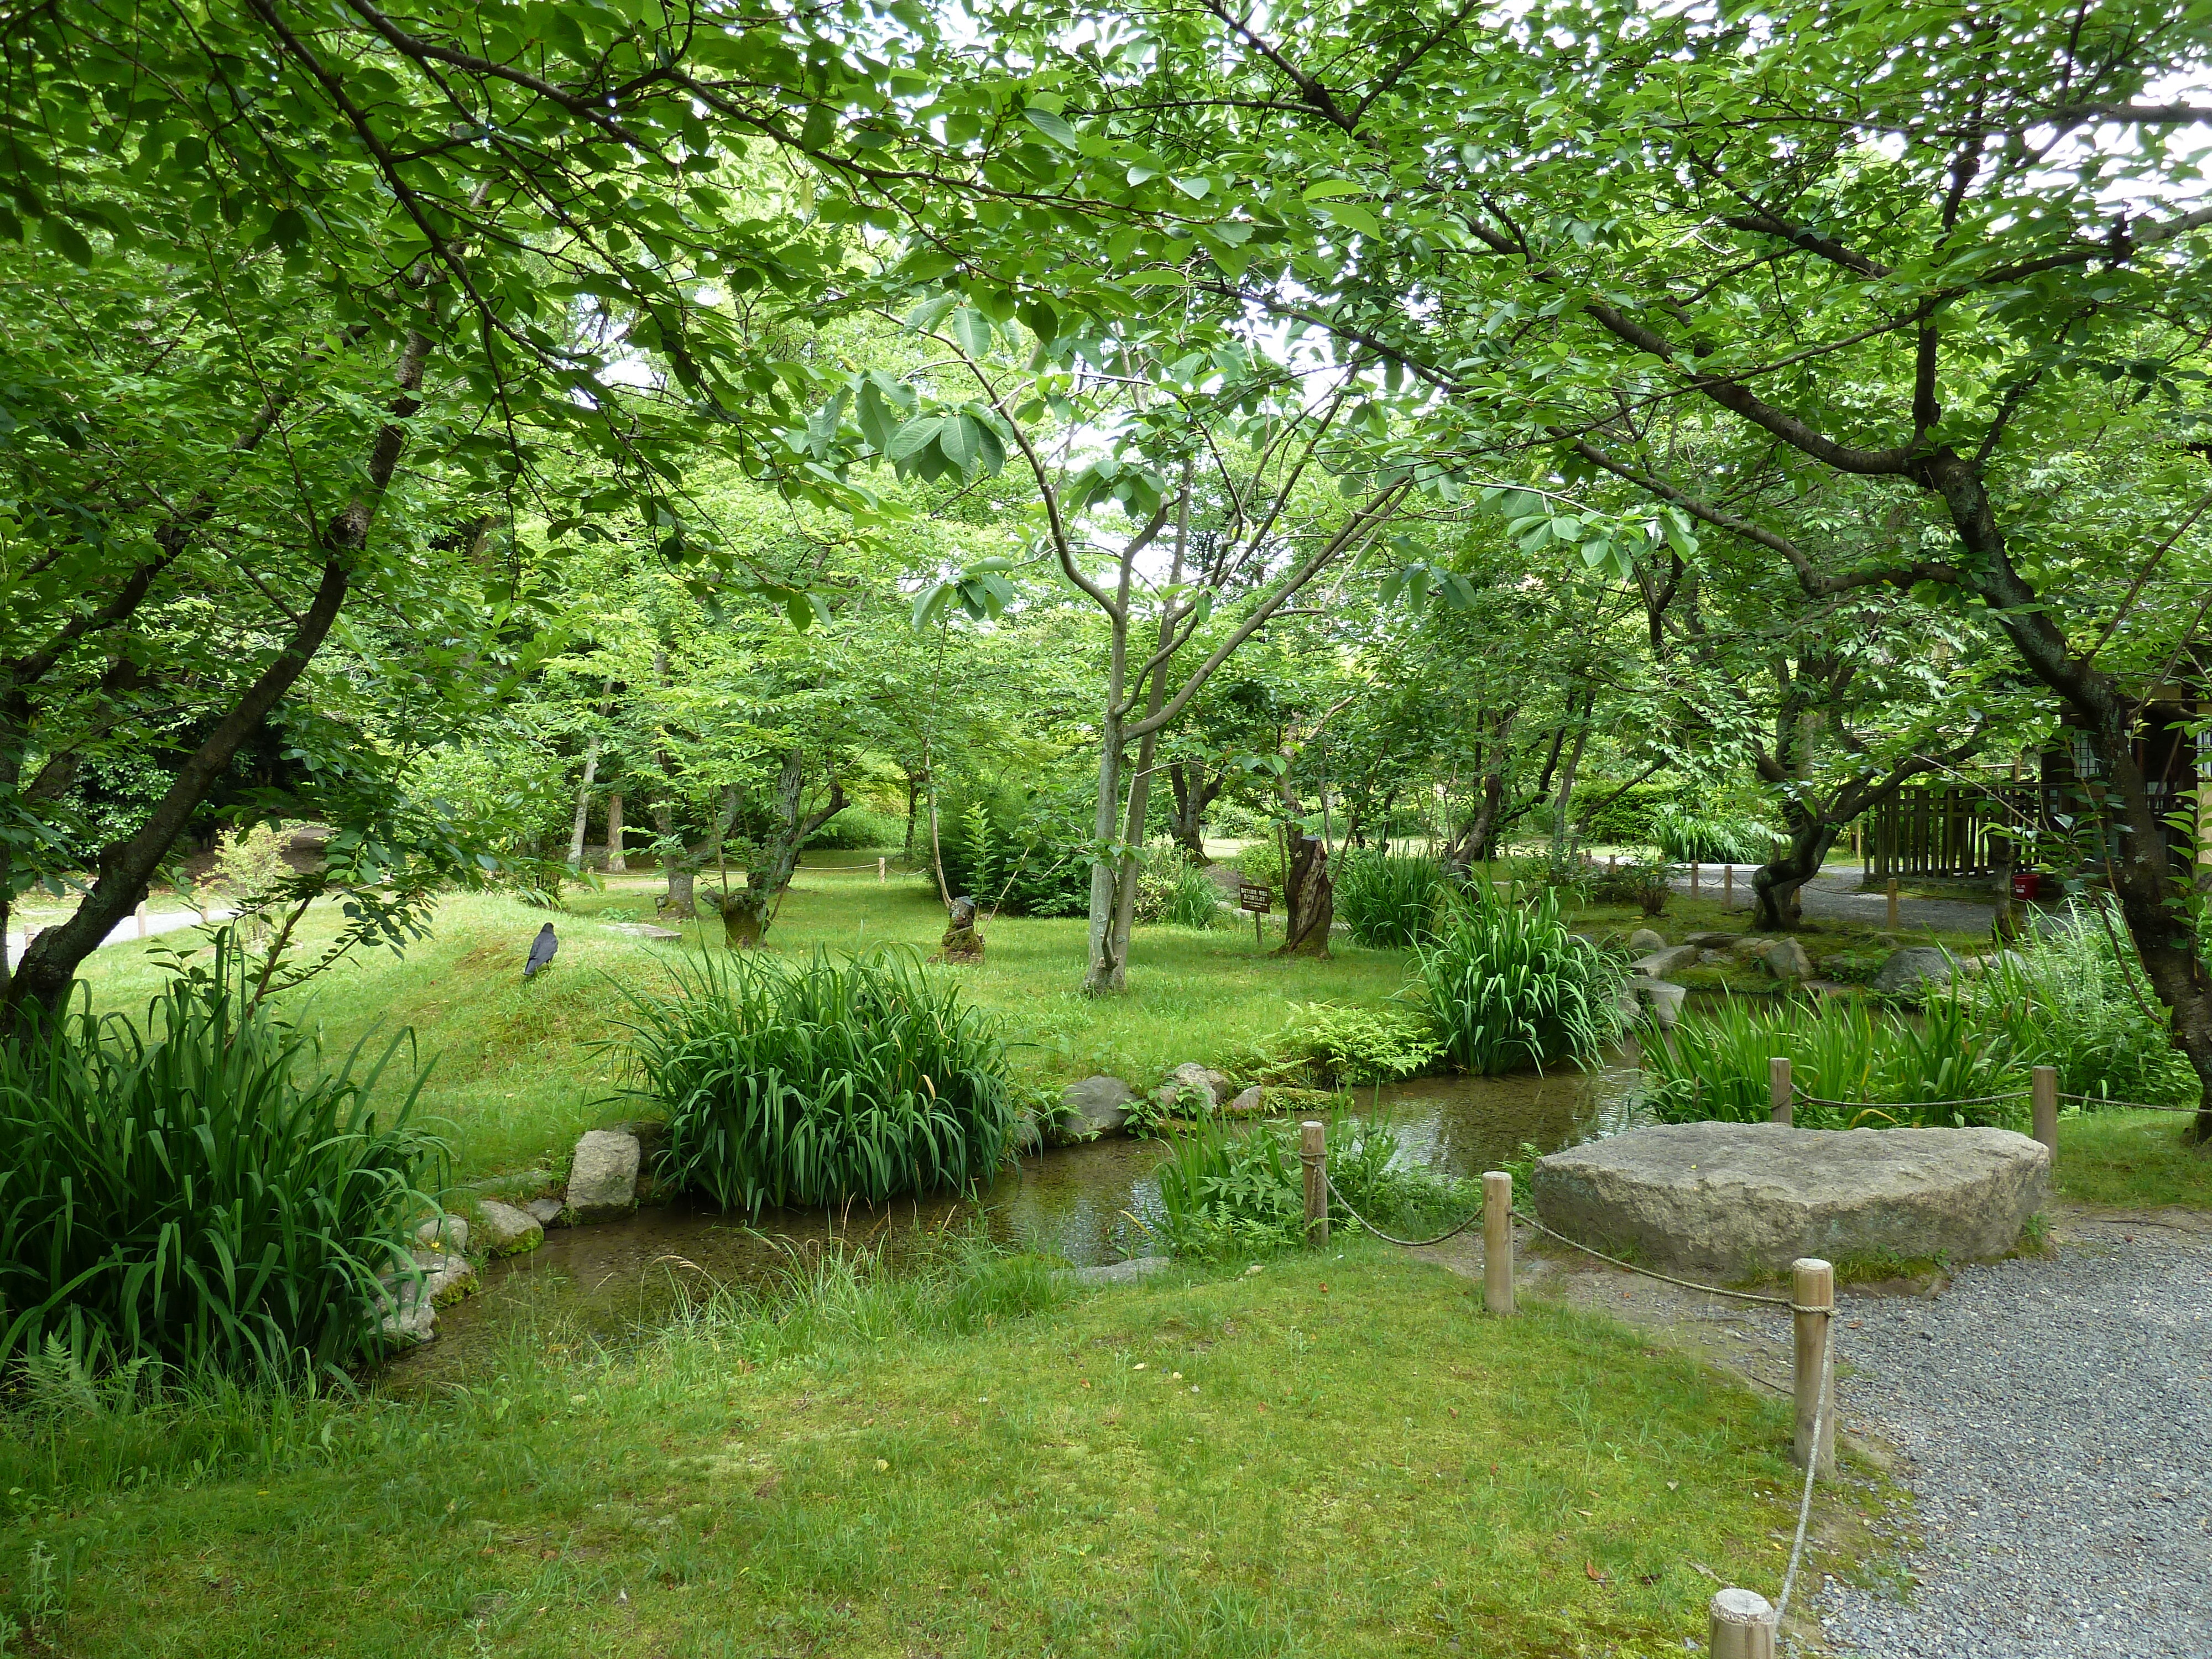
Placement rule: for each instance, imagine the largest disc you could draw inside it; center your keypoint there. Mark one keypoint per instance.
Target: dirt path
(1834, 897)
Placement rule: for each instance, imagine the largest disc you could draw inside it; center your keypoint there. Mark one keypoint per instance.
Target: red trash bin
(2025, 884)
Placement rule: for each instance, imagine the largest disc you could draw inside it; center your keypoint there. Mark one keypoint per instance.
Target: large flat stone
(1731, 1199)
(1094, 1107)
(1660, 963)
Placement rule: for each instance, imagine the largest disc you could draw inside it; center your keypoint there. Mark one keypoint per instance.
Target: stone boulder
(1096, 1106)
(1786, 960)
(545, 1212)
(1644, 941)
(1193, 1087)
(1663, 999)
(1657, 964)
(1736, 1199)
(1249, 1103)
(1911, 972)
(1711, 939)
(502, 1229)
(444, 1232)
(603, 1179)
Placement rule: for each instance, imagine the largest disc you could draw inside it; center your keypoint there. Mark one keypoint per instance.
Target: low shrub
(1173, 892)
(1260, 862)
(1506, 985)
(1388, 901)
(1691, 837)
(1645, 883)
(1887, 1071)
(819, 1083)
(1226, 1194)
(1028, 858)
(1341, 1045)
(857, 827)
(202, 1194)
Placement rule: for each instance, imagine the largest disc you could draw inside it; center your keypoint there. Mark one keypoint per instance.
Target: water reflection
(1084, 1204)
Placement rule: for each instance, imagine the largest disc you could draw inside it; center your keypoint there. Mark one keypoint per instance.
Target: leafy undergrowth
(1333, 1455)
(2132, 1160)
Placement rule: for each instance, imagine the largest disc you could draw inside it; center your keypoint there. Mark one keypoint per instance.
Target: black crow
(541, 950)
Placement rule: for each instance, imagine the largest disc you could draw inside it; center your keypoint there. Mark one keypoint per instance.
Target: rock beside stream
(1909, 972)
(603, 1179)
(1096, 1106)
(502, 1229)
(1733, 1199)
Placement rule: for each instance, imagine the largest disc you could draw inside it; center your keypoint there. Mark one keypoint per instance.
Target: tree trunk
(1108, 972)
(1778, 884)
(616, 862)
(681, 901)
(583, 805)
(1193, 793)
(1309, 899)
(1564, 803)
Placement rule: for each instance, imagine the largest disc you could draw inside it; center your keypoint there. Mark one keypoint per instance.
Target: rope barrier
(2127, 1105)
(1812, 1464)
(1410, 1243)
(1668, 1279)
(1860, 1105)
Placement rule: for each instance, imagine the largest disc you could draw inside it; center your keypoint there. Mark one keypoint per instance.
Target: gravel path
(2057, 1416)
(1834, 897)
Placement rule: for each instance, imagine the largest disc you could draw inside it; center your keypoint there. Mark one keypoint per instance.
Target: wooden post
(1727, 887)
(1739, 1625)
(880, 875)
(1813, 1305)
(1694, 878)
(141, 919)
(1610, 861)
(1497, 1242)
(1313, 1152)
(1891, 925)
(2044, 1079)
(1781, 1093)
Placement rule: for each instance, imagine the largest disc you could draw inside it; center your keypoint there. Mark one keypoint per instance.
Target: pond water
(1084, 1204)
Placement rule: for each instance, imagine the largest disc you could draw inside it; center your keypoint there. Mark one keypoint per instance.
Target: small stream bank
(1084, 1204)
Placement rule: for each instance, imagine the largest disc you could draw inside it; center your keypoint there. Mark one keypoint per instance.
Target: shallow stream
(1080, 1203)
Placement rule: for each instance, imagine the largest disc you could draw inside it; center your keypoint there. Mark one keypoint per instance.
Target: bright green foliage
(1175, 892)
(1690, 838)
(819, 1083)
(1024, 860)
(1389, 900)
(1890, 1071)
(198, 1190)
(1344, 1045)
(1507, 985)
(2068, 999)
(1226, 1194)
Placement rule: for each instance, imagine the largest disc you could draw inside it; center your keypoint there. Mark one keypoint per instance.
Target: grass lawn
(517, 1075)
(1334, 1456)
(2132, 1160)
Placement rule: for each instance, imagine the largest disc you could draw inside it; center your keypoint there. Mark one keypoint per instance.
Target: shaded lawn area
(2132, 1160)
(1334, 1456)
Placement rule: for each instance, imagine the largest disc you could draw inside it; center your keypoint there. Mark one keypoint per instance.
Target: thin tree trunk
(1565, 800)
(615, 861)
(1140, 786)
(583, 805)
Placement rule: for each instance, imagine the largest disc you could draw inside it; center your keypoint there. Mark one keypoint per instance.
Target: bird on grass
(541, 950)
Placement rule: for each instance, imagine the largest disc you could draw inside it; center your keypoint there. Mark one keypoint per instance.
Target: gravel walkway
(2057, 1416)
(1833, 897)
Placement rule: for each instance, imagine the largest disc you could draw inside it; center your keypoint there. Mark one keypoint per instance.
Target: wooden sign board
(1254, 898)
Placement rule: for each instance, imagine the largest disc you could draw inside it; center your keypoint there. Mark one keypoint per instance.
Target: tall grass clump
(1689, 837)
(2077, 997)
(1889, 1072)
(1389, 901)
(1506, 985)
(1174, 893)
(817, 1083)
(201, 1193)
